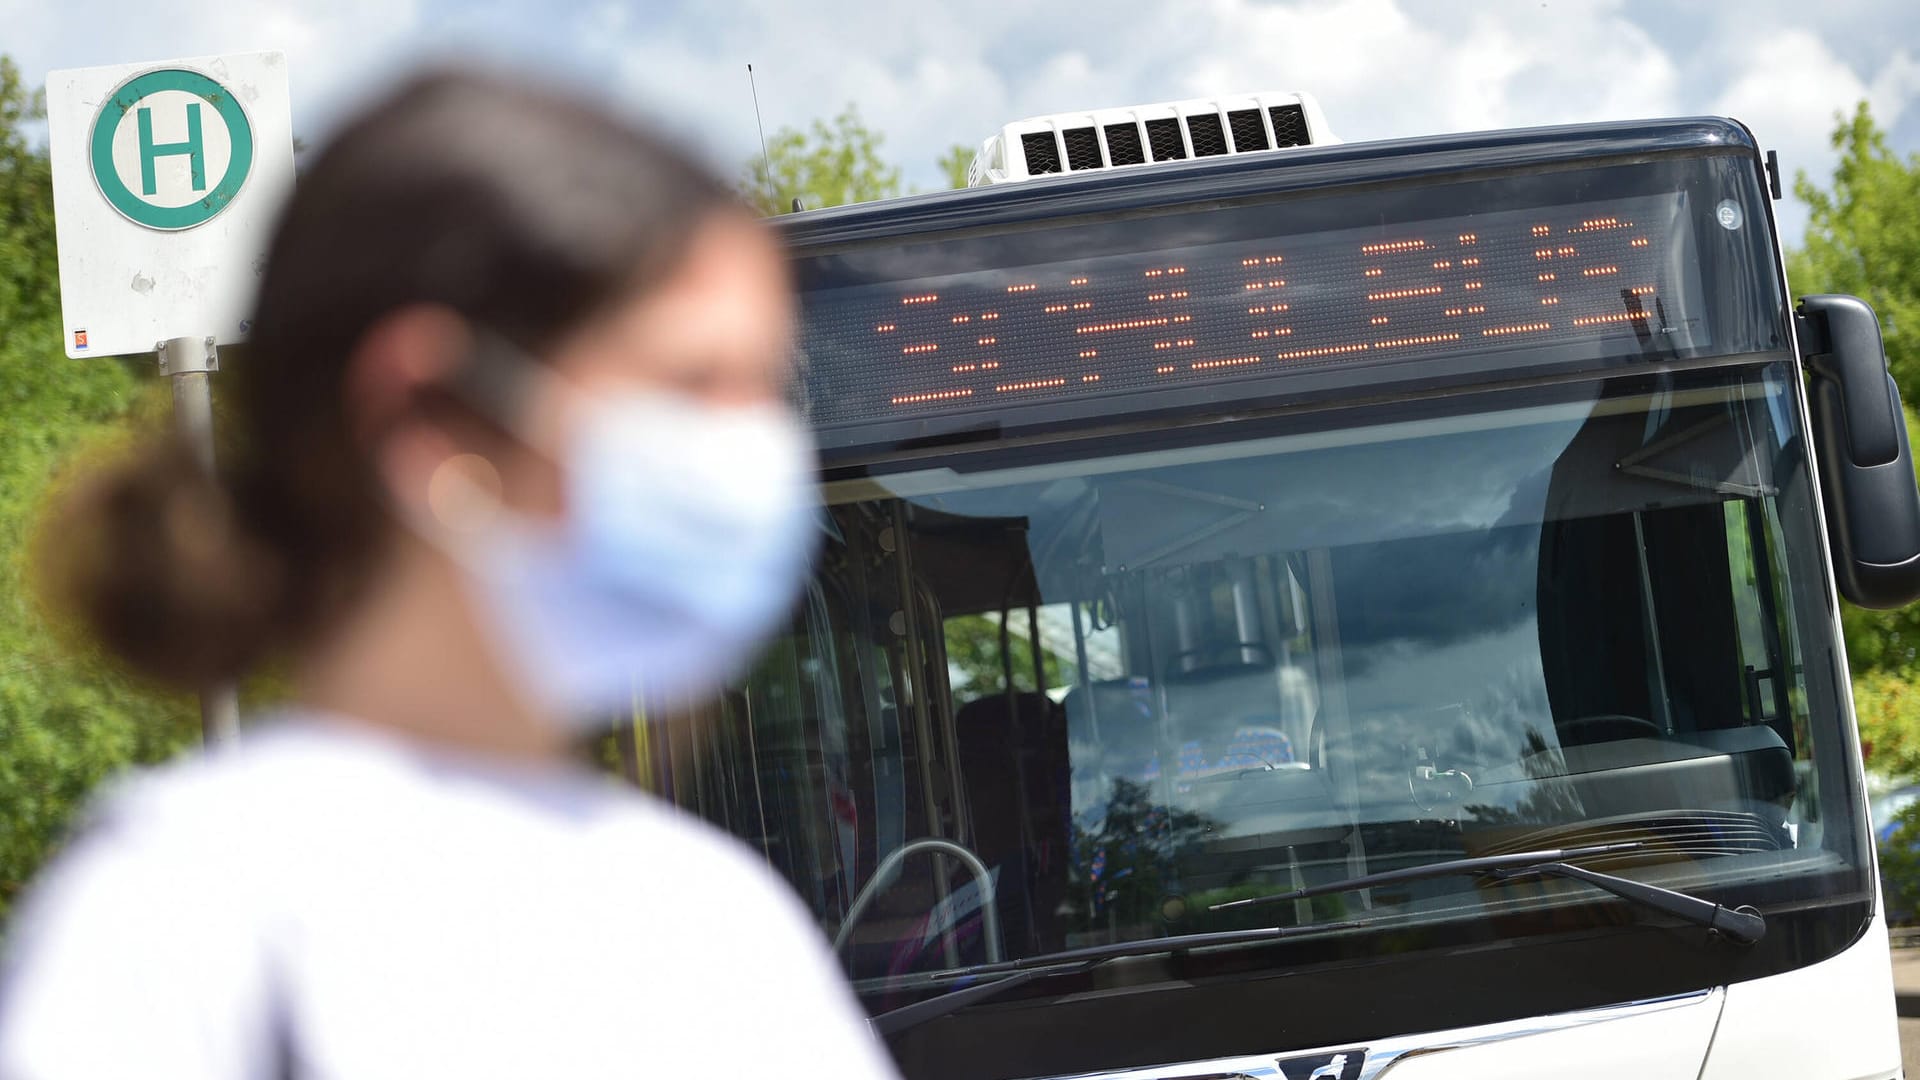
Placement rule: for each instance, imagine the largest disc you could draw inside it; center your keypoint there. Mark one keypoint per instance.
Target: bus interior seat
(1233, 713)
(1113, 725)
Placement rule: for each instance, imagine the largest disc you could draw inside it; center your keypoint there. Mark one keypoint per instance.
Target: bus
(1300, 609)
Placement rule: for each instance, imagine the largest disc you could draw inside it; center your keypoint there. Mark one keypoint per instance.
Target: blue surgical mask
(685, 542)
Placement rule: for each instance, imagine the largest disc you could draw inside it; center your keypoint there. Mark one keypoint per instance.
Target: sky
(932, 73)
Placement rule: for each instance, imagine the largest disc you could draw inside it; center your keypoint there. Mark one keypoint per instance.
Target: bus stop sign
(166, 178)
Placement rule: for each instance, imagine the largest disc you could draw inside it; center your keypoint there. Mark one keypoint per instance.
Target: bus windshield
(1138, 682)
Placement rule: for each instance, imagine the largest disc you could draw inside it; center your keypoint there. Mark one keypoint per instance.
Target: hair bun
(150, 555)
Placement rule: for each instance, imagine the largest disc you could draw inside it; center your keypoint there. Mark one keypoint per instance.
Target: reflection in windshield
(1142, 684)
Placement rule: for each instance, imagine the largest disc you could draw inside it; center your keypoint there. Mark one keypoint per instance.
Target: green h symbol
(193, 148)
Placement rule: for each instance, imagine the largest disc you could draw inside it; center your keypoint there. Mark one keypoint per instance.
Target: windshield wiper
(1015, 973)
(1742, 925)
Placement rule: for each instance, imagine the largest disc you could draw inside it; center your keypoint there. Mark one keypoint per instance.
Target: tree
(954, 164)
(830, 164)
(1863, 238)
(68, 720)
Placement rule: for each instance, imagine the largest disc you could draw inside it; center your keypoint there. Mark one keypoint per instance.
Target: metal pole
(190, 362)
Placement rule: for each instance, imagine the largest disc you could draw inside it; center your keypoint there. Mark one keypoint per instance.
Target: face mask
(685, 541)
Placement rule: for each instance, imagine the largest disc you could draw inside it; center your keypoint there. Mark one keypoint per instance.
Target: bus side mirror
(1866, 467)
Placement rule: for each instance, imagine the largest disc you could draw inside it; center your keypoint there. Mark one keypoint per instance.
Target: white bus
(1291, 609)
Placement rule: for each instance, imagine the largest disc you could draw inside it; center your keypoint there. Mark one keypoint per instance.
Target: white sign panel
(166, 181)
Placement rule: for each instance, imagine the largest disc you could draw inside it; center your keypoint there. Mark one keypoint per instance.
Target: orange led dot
(1152, 273)
(1640, 242)
(1238, 361)
(1598, 224)
(936, 395)
(990, 315)
(1082, 305)
(1254, 286)
(1379, 320)
(1156, 296)
(1089, 378)
(1477, 309)
(1088, 354)
(961, 318)
(1021, 288)
(961, 369)
(1165, 369)
(1611, 317)
(1374, 271)
(1401, 294)
(914, 349)
(1181, 294)
(924, 298)
(986, 341)
(1424, 339)
(1469, 238)
(1396, 245)
(1260, 333)
(1330, 350)
(1642, 290)
(1282, 331)
(1036, 384)
(1543, 253)
(1523, 328)
(1442, 264)
(1456, 311)
(1541, 230)
(1256, 311)
(1176, 269)
(1249, 262)
(1054, 308)
(1077, 281)
(1548, 276)
(1549, 301)
(1272, 260)
(1599, 271)
(1473, 260)
(1281, 307)
(1182, 318)
(1131, 324)
(884, 327)
(1566, 252)
(989, 365)
(1471, 285)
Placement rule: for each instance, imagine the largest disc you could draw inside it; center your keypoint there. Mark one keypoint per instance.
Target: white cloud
(938, 72)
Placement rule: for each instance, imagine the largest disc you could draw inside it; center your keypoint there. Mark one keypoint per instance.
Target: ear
(403, 353)
(400, 357)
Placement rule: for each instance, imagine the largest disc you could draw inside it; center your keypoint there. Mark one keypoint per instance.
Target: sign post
(166, 179)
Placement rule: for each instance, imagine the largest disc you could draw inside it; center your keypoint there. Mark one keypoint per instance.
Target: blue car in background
(1887, 809)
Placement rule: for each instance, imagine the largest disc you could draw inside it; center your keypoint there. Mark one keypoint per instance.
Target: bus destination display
(987, 339)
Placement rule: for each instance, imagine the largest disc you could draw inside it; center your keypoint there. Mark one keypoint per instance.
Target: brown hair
(515, 206)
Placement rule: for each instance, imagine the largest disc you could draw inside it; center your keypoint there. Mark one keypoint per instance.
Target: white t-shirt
(324, 902)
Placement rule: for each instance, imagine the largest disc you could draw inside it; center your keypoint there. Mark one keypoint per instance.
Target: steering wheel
(1607, 727)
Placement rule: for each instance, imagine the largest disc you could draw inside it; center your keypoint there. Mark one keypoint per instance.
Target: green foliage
(953, 164)
(1863, 238)
(67, 721)
(976, 663)
(1887, 706)
(830, 164)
